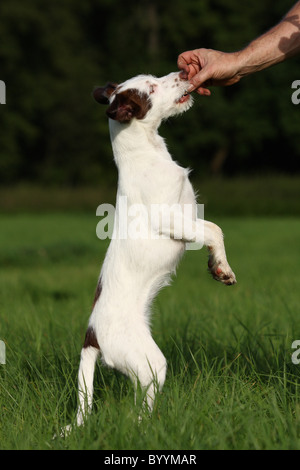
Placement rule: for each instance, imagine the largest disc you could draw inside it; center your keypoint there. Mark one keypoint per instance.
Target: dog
(135, 269)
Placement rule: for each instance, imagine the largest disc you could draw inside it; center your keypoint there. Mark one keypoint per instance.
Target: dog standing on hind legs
(135, 269)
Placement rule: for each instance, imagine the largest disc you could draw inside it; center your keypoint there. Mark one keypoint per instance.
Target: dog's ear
(102, 94)
(128, 105)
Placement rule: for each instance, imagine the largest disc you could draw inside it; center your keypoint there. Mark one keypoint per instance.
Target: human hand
(205, 67)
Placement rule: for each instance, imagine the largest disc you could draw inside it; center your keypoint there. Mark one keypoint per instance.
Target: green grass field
(231, 383)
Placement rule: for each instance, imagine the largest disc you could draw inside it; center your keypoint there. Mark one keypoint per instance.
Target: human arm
(205, 67)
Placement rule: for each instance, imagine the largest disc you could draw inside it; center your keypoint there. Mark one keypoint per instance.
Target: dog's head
(146, 98)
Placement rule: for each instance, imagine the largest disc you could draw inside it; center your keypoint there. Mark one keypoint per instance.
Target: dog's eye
(152, 89)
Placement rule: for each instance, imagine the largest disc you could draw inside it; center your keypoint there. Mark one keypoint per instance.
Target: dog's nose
(183, 75)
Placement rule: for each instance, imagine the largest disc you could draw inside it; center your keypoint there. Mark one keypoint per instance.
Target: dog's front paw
(221, 271)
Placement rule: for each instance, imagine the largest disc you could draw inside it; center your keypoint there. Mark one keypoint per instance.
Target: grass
(272, 195)
(230, 383)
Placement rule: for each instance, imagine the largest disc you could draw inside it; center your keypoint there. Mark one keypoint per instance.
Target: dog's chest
(157, 182)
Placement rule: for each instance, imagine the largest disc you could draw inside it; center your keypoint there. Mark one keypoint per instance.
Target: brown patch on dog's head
(129, 104)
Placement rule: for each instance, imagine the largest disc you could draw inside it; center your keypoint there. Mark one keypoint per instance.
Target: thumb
(198, 80)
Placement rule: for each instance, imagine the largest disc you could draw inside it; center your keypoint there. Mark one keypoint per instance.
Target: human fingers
(203, 91)
(201, 78)
(189, 63)
(184, 60)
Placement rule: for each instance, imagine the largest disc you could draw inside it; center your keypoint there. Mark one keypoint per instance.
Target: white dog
(135, 269)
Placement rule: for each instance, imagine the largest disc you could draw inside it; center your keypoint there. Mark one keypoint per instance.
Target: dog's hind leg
(88, 358)
(89, 354)
(147, 369)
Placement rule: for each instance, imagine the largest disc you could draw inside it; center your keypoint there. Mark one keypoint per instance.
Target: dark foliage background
(52, 54)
